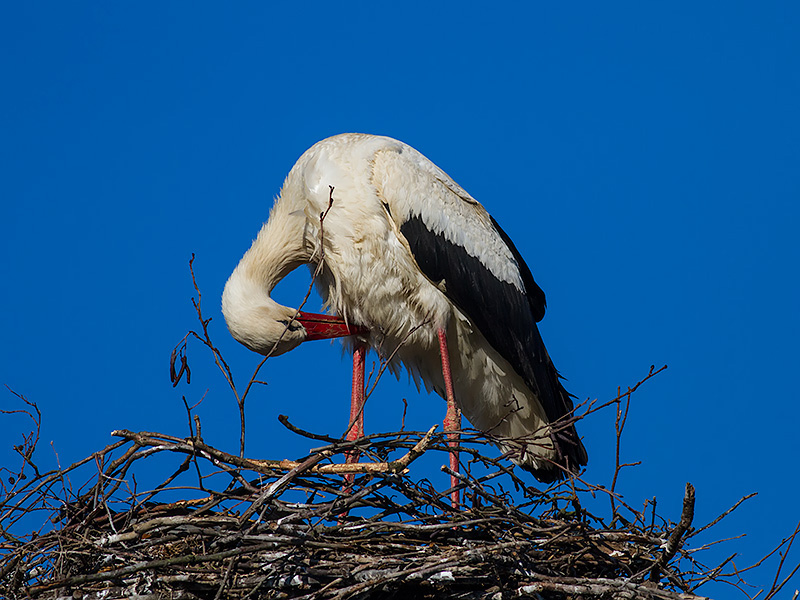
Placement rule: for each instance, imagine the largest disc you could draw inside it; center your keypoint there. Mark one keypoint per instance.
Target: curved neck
(280, 247)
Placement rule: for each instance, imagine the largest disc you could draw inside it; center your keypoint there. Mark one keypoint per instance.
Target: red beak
(323, 327)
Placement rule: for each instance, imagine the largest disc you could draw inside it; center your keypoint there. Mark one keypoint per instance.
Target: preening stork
(408, 262)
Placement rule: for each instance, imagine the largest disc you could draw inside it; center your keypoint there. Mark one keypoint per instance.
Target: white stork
(411, 264)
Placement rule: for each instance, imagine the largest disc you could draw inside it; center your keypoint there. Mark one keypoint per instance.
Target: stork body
(412, 259)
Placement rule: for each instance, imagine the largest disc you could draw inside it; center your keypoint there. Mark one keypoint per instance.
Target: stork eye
(290, 325)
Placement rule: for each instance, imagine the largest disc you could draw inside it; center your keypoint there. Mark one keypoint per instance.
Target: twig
(674, 541)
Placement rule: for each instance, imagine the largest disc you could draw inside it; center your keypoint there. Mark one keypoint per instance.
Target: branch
(674, 541)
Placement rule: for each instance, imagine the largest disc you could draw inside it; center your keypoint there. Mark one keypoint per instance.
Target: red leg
(452, 420)
(356, 424)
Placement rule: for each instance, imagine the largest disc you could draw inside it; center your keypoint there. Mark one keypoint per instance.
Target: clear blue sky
(644, 158)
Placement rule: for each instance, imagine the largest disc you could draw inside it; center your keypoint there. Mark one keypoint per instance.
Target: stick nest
(223, 526)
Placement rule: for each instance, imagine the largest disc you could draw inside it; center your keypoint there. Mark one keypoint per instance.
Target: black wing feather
(535, 295)
(505, 316)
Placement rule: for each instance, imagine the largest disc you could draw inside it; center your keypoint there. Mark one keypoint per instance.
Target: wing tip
(569, 458)
(563, 466)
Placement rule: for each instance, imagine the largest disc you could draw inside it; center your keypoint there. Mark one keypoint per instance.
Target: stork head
(258, 322)
(266, 327)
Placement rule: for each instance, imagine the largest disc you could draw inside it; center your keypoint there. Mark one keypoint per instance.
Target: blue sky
(643, 157)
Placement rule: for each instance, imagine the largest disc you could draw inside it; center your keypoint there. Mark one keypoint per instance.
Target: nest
(321, 528)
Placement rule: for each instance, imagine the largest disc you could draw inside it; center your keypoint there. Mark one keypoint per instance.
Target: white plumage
(407, 252)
